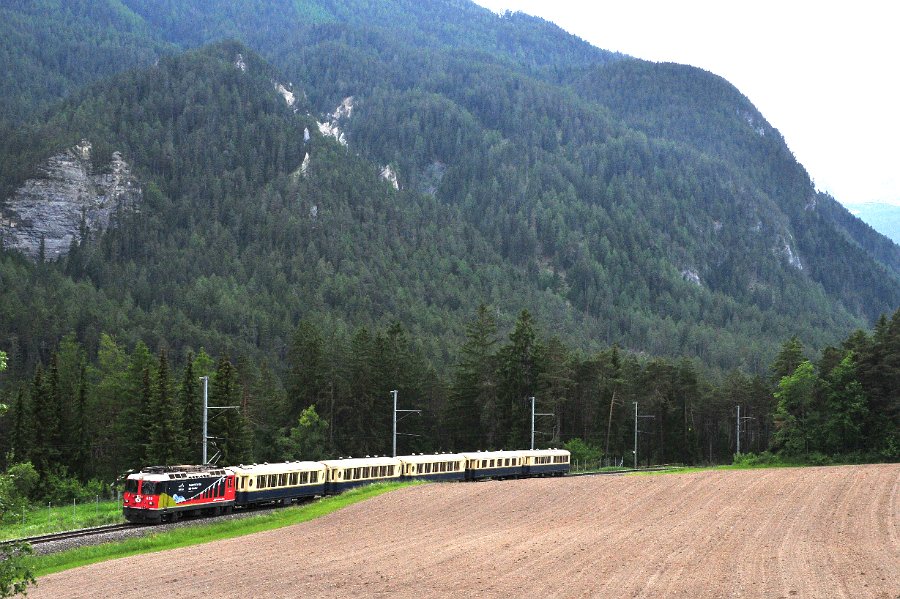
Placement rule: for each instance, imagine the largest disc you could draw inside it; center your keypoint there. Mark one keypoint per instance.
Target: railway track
(73, 534)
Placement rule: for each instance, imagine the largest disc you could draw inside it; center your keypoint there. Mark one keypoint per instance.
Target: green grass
(689, 469)
(205, 533)
(36, 521)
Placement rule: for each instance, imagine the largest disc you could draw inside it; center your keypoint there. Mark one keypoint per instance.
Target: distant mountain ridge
(883, 217)
(649, 205)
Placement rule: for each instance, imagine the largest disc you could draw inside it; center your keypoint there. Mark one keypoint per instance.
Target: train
(160, 494)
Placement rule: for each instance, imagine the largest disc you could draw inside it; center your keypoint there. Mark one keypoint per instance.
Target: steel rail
(72, 534)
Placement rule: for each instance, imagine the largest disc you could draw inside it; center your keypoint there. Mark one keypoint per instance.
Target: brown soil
(810, 532)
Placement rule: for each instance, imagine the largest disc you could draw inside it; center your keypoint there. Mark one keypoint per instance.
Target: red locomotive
(166, 493)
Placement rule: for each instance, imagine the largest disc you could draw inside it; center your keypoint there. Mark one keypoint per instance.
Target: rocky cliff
(67, 189)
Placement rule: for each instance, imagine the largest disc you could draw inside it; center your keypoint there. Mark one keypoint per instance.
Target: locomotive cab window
(131, 485)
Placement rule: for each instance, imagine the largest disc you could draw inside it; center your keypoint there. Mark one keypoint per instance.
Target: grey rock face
(52, 204)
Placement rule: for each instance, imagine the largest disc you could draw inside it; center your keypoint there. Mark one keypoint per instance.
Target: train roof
(275, 468)
(356, 462)
(492, 455)
(157, 473)
(428, 458)
(554, 451)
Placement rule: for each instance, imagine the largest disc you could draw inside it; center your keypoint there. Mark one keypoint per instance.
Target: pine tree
(788, 359)
(794, 418)
(191, 408)
(165, 425)
(269, 406)
(520, 372)
(134, 404)
(555, 379)
(354, 411)
(846, 409)
(229, 426)
(111, 395)
(20, 431)
(305, 384)
(80, 432)
(42, 453)
(472, 408)
(142, 438)
(54, 421)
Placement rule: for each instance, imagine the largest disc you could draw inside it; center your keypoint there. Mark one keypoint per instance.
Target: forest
(80, 419)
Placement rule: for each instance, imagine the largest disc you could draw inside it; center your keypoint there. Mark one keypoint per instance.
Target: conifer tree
(143, 437)
(794, 416)
(555, 379)
(520, 369)
(788, 359)
(229, 426)
(19, 436)
(42, 453)
(81, 430)
(191, 408)
(846, 409)
(111, 395)
(305, 384)
(472, 406)
(163, 447)
(54, 422)
(269, 406)
(354, 411)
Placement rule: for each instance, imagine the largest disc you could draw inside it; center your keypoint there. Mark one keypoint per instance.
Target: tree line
(95, 417)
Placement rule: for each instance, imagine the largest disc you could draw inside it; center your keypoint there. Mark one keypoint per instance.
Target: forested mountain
(393, 165)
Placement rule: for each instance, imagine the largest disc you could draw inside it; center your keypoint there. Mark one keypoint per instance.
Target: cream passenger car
(282, 482)
(352, 472)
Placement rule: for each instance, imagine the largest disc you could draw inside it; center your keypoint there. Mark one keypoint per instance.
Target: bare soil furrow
(798, 532)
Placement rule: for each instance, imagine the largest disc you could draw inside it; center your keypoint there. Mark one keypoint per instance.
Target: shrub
(15, 571)
(24, 479)
(58, 487)
(584, 453)
(16, 487)
(750, 460)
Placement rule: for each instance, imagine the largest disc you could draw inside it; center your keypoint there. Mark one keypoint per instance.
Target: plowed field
(810, 532)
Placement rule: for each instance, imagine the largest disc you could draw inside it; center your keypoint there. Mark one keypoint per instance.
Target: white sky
(825, 74)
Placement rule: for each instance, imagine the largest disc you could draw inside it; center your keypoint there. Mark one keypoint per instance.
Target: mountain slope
(236, 240)
(50, 48)
(649, 205)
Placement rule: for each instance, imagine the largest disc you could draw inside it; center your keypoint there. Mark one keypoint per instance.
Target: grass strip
(41, 520)
(205, 533)
(690, 469)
